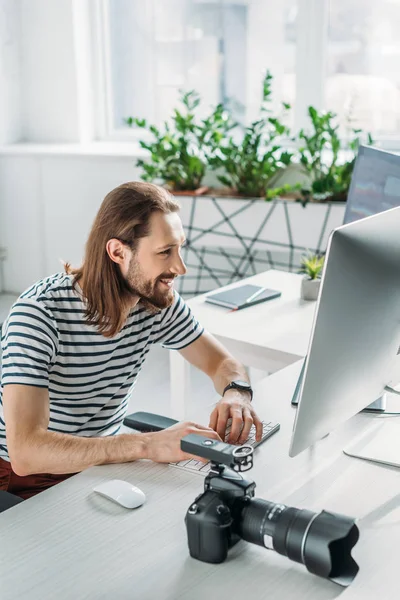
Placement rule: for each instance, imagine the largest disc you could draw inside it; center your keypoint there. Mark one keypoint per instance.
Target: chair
(8, 500)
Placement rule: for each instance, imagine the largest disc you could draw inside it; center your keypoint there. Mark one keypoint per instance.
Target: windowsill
(117, 149)
(93, 149)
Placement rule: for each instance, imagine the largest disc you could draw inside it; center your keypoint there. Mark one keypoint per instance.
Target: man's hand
(235, 405)
(165, 446)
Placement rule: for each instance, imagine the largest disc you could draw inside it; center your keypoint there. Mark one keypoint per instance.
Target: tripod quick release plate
(238, 458)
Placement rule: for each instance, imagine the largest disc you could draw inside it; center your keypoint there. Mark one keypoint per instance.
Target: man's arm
(210, 356)
(33, 449)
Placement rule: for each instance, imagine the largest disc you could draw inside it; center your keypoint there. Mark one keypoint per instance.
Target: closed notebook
(242, 296)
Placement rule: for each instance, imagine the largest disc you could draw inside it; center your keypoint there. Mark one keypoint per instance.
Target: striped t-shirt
(47, 343)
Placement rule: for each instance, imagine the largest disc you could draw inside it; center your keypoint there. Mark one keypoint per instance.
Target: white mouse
(121, 492)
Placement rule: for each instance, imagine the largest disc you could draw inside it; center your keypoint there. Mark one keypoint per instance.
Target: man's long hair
(124, 214)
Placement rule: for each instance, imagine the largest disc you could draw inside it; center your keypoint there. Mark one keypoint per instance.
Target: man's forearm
(228, 370)
(59, 453)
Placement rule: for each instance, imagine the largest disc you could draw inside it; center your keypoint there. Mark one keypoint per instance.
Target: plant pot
(199, 192)
(310, 288)
(329, 197)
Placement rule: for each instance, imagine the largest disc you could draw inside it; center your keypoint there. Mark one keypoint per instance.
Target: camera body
(212, 519)
(227, 511)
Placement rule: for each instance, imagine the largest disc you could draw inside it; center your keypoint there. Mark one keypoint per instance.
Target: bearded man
(74, 343)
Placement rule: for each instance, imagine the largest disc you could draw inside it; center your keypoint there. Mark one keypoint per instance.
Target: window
(340, 55)
(220, 48)
(363, 58)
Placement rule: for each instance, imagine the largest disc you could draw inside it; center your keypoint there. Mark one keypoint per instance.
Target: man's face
(157, 261)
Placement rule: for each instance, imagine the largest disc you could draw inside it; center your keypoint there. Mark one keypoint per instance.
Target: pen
(257, 293)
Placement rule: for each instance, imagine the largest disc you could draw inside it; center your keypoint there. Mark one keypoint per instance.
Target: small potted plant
(311, 266)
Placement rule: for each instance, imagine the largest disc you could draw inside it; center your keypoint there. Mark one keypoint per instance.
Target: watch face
(241, 383)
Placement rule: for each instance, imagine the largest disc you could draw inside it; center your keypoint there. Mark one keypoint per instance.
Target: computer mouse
(122, 492)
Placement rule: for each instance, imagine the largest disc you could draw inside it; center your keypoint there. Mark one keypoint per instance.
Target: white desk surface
(70, 543)
(282, 325)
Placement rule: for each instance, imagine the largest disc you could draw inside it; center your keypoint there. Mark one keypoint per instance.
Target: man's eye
(169, 250)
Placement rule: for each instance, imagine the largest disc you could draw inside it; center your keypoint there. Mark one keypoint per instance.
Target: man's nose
(179, 267)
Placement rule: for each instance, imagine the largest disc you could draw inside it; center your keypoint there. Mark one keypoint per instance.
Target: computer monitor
(375, 187)
(356, 332)
(375, 184)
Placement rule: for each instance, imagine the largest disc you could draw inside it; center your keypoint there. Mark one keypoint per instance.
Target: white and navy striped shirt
(47, 343)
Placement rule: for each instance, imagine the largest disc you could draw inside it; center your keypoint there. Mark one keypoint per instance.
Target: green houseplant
(319, 154)
(312, 266)
(249, 164)
(180, 150)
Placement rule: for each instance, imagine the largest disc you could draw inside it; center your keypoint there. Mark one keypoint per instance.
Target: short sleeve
(29, 344)
(178, 327)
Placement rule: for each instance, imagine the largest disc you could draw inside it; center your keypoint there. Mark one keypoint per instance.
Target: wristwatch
(239, 385)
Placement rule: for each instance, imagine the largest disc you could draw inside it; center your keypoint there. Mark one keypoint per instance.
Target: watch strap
(235, 386)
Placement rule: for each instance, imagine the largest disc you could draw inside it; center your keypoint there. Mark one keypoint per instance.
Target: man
(74, 343)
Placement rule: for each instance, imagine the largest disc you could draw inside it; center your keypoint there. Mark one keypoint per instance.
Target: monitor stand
(379, 444)
(379, 406)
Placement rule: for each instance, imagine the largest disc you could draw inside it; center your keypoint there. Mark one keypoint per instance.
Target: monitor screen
(375, 184)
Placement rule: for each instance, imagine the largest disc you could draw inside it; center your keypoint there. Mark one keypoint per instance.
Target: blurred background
(72, 71)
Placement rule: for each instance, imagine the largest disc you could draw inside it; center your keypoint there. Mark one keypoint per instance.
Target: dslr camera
(227, 511)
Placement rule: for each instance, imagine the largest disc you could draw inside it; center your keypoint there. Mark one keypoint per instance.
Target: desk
(71, 543)
(267, 336)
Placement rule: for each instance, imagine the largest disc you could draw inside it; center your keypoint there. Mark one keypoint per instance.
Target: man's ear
(116, 250)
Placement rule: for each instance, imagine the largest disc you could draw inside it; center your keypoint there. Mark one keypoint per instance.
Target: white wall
(10, 72)
(46, 75)
(49, 85)
(47, 205)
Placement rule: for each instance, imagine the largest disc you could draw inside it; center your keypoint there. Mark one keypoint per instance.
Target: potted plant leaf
(320, 150)
(180, 150)
(250, 164)
(311, 266)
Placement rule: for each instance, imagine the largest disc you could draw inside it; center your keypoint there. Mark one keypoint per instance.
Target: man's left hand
(235, 405)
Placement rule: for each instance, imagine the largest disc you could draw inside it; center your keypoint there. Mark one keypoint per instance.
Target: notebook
(242, 296)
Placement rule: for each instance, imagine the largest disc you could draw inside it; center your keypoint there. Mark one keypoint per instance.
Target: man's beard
(151, 297)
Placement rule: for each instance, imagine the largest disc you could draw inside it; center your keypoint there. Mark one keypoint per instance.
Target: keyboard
(202, 468)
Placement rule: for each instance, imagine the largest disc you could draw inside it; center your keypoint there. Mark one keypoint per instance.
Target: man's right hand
(165, 446)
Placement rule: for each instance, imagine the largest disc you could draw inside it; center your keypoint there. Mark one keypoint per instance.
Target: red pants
(29, 485)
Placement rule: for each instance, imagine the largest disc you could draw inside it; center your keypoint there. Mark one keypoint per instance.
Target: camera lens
(321, 541)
